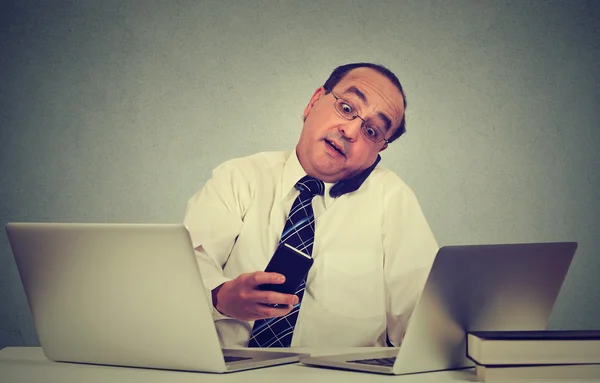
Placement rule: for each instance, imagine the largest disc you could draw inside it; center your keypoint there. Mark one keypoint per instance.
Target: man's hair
(338, 74)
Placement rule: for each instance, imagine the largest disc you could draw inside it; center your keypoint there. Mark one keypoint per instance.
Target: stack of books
(506, 356)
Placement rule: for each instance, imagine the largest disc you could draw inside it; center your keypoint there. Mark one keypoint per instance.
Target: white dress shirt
(372, 251)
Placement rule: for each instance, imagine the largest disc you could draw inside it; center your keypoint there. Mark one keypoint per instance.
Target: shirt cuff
(211, 284)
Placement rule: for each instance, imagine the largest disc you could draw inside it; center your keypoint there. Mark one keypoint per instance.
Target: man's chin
(328, 169)
(331, 175)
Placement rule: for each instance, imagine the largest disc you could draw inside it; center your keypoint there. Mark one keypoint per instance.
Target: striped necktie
(299, 232)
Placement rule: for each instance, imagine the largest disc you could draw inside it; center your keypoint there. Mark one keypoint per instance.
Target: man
(372, 247)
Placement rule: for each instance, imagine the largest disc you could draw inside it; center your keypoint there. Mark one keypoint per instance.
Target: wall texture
(114, 111)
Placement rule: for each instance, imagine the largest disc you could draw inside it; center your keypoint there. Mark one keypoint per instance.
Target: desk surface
(28, 364)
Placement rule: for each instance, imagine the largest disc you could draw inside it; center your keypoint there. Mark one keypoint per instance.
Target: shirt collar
(292, 173)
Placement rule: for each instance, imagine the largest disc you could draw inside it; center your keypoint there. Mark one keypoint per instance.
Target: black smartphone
(292, 263)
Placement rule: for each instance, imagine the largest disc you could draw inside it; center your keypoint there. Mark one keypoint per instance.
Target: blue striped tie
(299, 232)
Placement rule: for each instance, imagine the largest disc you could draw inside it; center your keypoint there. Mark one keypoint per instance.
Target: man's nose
(351, 129)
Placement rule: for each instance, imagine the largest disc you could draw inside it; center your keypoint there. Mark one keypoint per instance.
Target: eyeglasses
(348, 112)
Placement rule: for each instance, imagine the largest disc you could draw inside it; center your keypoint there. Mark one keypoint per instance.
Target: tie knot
(308, 184)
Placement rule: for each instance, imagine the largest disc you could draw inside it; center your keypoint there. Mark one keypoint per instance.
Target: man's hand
(241, 299)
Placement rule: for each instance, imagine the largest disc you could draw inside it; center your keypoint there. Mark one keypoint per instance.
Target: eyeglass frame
(364, 122)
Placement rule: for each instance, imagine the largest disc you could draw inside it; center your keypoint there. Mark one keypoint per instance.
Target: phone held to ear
(293, 264)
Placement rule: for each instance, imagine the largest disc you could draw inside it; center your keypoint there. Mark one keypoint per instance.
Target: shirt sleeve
(409, 250)
(214, 218)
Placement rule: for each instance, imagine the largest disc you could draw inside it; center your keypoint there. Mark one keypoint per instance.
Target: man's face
(332, 148)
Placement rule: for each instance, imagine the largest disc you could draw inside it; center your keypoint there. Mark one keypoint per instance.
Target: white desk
(28, 364)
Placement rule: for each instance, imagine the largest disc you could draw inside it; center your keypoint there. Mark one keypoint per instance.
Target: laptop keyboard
(387, 362)
(231, 358)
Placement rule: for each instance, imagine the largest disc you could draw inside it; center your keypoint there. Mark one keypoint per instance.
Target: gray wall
(115, 111)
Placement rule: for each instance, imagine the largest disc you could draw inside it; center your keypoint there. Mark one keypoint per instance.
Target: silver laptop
(470, 288)
(123, 294)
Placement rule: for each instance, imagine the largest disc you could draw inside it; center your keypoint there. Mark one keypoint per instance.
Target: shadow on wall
(10, 337)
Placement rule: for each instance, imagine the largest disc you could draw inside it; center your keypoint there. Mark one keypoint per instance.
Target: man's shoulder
(258, 160)
(389, 187)
(387, 179)
(255, 163)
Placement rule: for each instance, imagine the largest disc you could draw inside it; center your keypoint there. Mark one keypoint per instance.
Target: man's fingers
(240, 298)
(272, 297)
(263, 311)
(261, 278)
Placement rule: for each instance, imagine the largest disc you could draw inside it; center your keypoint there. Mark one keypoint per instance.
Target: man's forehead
(368, 77)
(370, 83)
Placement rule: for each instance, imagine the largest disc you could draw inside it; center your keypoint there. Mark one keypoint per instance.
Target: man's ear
(315, 97)
(384, 147)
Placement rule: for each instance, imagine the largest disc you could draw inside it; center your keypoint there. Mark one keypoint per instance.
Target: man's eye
(347, 109)
(371, 132)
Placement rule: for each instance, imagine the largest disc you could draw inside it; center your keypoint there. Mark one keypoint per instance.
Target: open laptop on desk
(470, 288)
(123, 294)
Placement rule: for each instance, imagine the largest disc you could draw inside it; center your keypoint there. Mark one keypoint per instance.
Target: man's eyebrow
(386, 120)
(354, 90)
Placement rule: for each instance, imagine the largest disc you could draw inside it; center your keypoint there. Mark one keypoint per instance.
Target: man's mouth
(335, 147)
